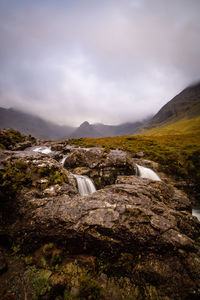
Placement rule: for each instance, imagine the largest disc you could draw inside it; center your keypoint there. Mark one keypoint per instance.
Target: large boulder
(139, 235)
(102, 165)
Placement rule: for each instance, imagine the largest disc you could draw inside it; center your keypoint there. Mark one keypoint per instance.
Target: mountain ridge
(33, 125)
(184, 106)
(30, 124)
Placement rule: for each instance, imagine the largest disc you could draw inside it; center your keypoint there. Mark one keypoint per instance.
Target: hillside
(117, 130)
(171, 118)
(40, 128)
(184, 127)
(30, 124)
(102, 130)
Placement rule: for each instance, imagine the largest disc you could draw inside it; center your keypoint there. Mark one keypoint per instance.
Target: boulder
(102, 165)
(140, 231)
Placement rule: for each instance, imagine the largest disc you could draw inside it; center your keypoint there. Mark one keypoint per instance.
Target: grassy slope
(181, 127)
(178, 155)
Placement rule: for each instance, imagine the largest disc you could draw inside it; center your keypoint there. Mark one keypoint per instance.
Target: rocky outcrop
(13, 140)
(102, 165)
(136, 237)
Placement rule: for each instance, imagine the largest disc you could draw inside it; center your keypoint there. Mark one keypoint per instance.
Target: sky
(108, 61)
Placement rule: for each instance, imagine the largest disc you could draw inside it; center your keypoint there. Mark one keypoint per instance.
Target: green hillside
(186, 105)
(191, 126)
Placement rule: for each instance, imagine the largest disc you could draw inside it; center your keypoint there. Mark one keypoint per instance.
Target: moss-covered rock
(13, 140)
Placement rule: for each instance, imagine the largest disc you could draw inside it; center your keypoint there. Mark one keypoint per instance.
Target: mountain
(117, 130)
(85, 130)
(179, 115)
(30, 124)
(102, 130)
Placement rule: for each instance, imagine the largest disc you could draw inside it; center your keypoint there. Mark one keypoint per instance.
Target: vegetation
(178, 155)
(10, 137)
(17, 174)
(180, 127)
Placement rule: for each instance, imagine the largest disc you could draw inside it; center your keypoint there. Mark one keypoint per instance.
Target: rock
(100, 165)
(138, 231)
(3, 263)
(83, 158)
(139, 154)
(11, 139)
(22, 146)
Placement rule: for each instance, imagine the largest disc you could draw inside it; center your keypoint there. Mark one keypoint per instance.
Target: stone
(3, 263)
(100, 165)
(143, 230)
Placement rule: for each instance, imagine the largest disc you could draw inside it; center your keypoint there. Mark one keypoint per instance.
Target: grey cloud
(101, 61)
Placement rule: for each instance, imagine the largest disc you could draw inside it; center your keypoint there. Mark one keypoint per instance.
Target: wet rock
(102, 165)
(83, 158)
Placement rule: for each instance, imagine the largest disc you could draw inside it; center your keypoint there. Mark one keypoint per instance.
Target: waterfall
(147, 173)
(85, 185)
(196, 212)
(63, 159)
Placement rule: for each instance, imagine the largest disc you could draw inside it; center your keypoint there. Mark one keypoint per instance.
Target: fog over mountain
(109, 62)
(38, 127)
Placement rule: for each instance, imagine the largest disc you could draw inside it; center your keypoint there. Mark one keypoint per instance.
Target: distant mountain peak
(85, 124)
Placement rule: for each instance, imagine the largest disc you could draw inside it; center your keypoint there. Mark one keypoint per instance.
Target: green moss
(13, 177)
(57, 177)
(47, 247)
(2, 146)
(41, 283)
(10, 137)
(89, 288)
(16, 249)
(84, 282)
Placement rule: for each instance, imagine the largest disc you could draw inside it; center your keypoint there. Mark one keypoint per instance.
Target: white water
(45, 150)
(85, 185)
(63, 159)
(147, 173)
(196, 213)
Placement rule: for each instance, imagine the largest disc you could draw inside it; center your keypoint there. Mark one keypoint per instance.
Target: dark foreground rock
(135, 239)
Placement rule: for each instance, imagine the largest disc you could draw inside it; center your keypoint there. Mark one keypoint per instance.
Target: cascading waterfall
(63, 159)
(147, 173)
(85, 185)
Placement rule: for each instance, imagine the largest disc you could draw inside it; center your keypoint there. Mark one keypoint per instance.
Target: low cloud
(108, 61)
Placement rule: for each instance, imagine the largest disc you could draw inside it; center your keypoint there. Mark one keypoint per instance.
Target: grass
(178, 155)
(180, 127)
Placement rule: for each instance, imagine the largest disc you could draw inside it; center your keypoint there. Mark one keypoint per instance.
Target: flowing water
(43, 149)
(85, 185)
(63, 159)
(196, 212)
(147, 173)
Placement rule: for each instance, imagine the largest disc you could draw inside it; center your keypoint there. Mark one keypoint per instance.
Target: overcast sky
(107, 61)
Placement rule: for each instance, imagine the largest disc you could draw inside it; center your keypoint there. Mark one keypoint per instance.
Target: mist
(100, 61)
